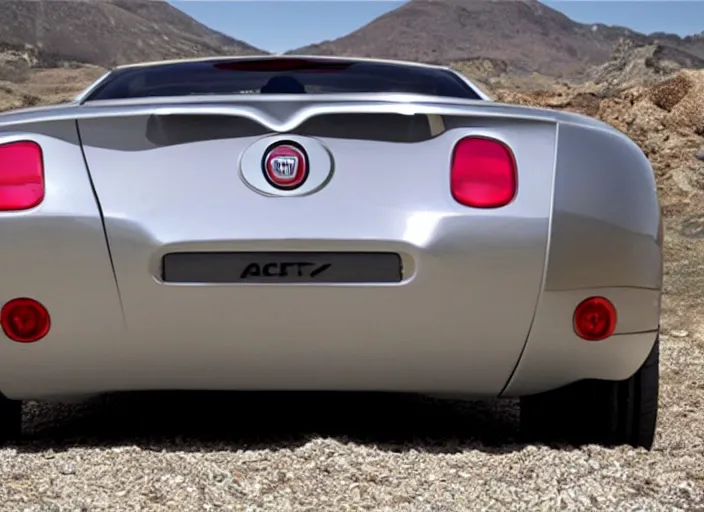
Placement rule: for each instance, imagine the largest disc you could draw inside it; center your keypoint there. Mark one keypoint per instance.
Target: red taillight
(24, 320)
(483, 173)
(595, 319)
(21, 175)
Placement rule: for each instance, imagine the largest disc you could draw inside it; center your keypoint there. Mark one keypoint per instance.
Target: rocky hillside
(108, 32)
(661, 111)
(633, 64)
(523, 34)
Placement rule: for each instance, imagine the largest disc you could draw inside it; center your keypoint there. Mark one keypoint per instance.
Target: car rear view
(320, 224)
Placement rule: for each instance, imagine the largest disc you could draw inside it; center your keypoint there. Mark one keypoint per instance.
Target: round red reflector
(595, 319)
(24, 320)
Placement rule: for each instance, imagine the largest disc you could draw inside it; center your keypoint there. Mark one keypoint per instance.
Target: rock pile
(647, 93)
(634, 65)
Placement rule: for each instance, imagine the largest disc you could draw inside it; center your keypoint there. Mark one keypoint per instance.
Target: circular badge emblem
(285, 166)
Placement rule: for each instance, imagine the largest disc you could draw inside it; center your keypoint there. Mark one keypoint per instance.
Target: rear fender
(605, 239)
(57, 253)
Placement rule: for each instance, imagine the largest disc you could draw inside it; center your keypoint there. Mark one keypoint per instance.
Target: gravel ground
(164, 452)
(147, 453)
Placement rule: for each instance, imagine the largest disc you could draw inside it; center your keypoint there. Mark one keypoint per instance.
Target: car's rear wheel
(10, 420)
(601, 412)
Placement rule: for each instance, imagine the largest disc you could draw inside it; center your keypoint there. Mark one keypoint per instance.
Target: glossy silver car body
(485, 305)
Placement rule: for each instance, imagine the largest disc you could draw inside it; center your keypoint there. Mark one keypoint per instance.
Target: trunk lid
(457, 316)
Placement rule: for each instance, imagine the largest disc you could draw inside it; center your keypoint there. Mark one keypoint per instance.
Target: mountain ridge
(526, 34)
(109, 32)
(521, 36)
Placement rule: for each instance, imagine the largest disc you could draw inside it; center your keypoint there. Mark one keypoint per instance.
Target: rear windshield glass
(279, 76)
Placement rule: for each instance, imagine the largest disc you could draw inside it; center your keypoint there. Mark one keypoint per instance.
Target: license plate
(282, 267)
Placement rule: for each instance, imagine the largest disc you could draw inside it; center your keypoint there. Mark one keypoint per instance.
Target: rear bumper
(555, 356)
(343, 352)
(426, 333)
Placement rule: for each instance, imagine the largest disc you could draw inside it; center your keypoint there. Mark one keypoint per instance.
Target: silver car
(321, 223)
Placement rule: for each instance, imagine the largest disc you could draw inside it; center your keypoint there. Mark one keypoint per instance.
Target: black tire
(10, 420)
(607, 413)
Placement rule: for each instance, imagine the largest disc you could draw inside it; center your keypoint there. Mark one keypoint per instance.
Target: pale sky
(282, 25)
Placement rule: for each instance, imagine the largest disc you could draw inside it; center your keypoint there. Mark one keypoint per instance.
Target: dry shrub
(669, 93)
(29, 100)
(688, 113)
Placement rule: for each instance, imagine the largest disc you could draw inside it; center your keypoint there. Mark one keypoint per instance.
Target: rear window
(279, 76)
